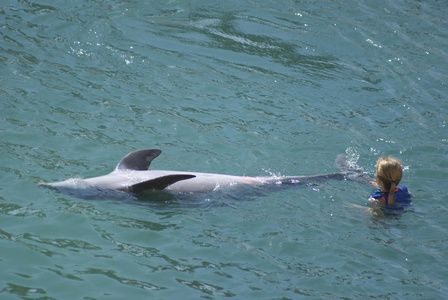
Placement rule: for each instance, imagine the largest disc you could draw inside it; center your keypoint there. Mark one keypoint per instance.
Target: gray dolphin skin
(132, 175)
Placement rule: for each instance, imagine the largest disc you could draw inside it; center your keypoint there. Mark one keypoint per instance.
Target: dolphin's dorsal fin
(158, 183)
(138, 160)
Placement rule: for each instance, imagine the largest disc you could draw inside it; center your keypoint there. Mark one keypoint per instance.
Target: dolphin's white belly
(202, 182)
(207, 182)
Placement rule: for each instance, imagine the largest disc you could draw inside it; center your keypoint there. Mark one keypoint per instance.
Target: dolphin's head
(72, 183)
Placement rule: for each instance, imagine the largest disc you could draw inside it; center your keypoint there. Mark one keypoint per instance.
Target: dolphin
(131, 175)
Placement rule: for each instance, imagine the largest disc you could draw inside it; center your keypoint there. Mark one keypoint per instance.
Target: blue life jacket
(402, 199)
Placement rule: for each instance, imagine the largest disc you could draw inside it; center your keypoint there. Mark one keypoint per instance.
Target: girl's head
(388, 175)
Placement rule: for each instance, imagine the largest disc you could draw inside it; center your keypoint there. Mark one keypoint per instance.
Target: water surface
(237, 87)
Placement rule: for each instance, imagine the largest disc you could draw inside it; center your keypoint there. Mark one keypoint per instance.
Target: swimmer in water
(391, 196)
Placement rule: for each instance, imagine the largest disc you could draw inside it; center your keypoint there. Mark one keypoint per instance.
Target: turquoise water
(236, 87)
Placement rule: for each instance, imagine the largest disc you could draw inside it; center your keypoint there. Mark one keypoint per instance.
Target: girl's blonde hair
(389, 173)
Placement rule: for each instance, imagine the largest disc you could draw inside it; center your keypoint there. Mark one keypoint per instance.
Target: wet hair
(389, 172)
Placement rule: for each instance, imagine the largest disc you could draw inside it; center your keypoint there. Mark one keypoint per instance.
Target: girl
(390, 194)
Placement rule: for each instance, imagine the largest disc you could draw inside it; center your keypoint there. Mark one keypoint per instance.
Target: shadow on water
(224, 197)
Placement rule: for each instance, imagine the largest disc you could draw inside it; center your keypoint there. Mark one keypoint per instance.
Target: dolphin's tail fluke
(351, 172)
(342, 164)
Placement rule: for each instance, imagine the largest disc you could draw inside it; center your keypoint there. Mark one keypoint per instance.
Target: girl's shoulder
(377, 194)
(402, 195)
(402, 188)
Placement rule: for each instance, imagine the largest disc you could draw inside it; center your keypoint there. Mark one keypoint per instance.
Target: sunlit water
(236, 87)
